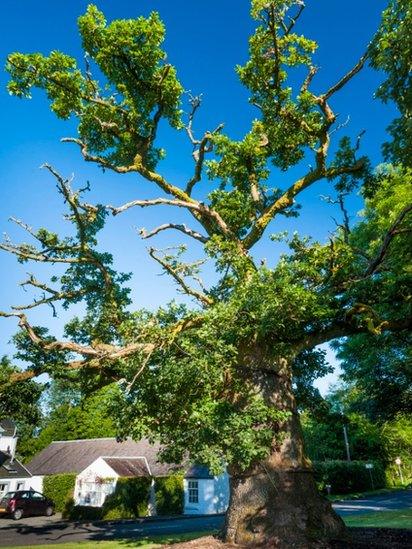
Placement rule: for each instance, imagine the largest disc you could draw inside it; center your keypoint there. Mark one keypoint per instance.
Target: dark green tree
(20, 402)
(216, 380)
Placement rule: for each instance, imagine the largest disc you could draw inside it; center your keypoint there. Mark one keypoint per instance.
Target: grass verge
(401, 518)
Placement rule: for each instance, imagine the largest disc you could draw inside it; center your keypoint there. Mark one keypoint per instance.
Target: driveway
(33, 531)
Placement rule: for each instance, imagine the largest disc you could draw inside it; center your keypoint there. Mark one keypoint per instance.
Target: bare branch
(195, 101)
(345, 79)
(152, 202)
(55, 294)
(203, 298)
(199, 156)
(180, 227)
(293, 20)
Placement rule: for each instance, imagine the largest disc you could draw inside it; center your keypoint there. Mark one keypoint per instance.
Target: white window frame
(3, 491)
(193, 491)
(20, 485)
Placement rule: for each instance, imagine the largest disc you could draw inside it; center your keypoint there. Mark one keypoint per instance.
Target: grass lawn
(383, 519)
(152, 542)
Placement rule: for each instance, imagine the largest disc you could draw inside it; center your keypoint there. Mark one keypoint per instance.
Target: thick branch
(180, 227)
(345, 329)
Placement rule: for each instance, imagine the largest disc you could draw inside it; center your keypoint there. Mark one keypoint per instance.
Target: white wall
(8, 444)
(31, 483)
(89, 492)
(35, 483)
(213, 496)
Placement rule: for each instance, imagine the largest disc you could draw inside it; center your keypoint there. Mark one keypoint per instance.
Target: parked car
(26, 502)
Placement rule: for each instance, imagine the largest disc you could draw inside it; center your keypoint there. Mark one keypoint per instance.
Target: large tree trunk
(276, 502)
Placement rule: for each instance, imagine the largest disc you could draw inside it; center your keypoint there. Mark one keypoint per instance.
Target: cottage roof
(7, 428)
(128, 467)
(73, 456)
(11, 468)
(198, 471)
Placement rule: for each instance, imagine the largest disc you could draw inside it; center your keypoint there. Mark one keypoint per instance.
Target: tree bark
(276, 503)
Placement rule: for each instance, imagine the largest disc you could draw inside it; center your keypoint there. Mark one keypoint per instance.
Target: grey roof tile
(73, 456)
(128, 467)
(11, 468)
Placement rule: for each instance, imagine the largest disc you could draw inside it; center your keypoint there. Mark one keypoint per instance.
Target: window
(20, 486)
(36, 495)
(193, 491)
(4, 487)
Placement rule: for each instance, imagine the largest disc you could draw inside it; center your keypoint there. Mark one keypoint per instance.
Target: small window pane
(193, 486)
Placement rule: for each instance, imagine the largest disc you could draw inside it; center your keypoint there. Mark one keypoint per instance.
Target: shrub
(130, 499)
(348, 476)
(81, 512)
(59, 488)
(169, 495)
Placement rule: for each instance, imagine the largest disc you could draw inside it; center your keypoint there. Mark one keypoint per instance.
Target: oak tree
(215, 380)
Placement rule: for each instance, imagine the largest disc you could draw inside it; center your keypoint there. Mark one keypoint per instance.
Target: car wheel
(49, 511)
(17, 514)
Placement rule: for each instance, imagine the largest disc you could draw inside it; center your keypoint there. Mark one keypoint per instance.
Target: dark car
(26, 502)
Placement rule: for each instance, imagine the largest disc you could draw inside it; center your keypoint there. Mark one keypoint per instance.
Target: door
(38, 503)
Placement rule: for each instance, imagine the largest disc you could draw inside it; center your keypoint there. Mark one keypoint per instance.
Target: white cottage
(13, 475)
(99, 463)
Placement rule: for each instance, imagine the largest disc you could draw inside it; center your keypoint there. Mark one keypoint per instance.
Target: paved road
(27, 533)
(386, 502)
(36, 530)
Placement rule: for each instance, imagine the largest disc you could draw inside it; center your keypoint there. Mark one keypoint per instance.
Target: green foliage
(391, 51)
(59, 488)
(117, 118)
(348, 476)
(397, 435)
(129, 500)
(87, 419)
(324, 438)
(290, 122)
(20, 402)
(169, 495)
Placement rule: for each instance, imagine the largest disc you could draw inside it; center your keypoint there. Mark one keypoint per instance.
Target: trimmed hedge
(59, 488)
(348, 476)
(169, 495)
(129, 500)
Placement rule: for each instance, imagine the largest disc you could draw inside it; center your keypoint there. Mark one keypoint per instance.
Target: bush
(81, 512)
(348, 476)
(59, 488)
(169, 495)
(129, 500)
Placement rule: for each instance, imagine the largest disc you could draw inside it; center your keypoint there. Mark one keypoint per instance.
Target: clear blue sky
(205, 40)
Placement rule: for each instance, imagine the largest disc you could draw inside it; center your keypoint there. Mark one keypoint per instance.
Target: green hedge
(59, 488)
(169, 495)
(348, 476)
(129, 500)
